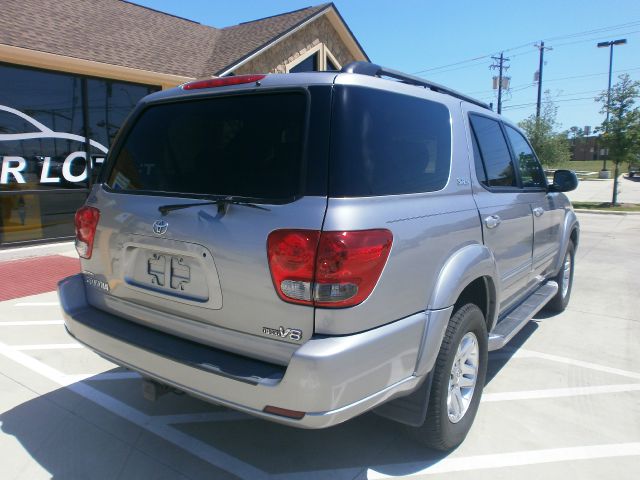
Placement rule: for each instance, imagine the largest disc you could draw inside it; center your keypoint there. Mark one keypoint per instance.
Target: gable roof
(240, 41)
(118, 32)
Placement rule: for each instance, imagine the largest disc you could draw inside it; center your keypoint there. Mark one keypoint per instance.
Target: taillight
(222, 81)
(86, 222)
(327, 269)
(349, 265)
(292, 256)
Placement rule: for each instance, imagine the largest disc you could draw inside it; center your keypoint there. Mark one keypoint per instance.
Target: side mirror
(564, 181)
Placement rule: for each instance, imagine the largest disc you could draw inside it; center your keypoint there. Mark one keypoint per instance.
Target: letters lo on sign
(14, 168)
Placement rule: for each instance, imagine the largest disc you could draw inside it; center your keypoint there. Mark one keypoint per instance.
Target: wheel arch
(570, 232)
(470, 270)
(469, 275)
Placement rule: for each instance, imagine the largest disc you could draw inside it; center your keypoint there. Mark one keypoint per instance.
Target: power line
(594, 39)
(559, 37)
(548, 101)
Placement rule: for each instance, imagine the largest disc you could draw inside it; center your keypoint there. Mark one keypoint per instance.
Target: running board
(516, 320)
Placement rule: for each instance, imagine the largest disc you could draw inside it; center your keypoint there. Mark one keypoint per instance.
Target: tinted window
(43, 174)
(385, 143)
(248, 145)
(494, 151)
(480, 172)
(109, 104)
(531, 172)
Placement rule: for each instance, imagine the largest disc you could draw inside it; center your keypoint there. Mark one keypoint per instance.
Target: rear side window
(386, 143)
(249, 145)
(494, 151)
(531, 172)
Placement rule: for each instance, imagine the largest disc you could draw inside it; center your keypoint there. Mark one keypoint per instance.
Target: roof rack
(373, 70)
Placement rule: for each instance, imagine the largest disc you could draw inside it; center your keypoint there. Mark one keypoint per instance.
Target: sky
(451, 43)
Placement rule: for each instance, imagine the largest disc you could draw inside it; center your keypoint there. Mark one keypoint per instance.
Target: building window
(309, 64)
(317, 58)
(331, 62)
(44, 124)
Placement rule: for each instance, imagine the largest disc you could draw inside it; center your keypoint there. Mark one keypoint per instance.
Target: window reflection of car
(43, 148)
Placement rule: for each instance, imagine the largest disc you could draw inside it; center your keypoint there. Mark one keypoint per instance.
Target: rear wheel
(458, 380)
(564, 279)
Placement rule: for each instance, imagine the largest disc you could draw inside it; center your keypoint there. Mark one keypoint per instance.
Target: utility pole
(542, 48)
(500, 65)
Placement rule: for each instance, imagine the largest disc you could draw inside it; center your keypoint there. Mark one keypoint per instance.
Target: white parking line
(36, 304)
(221, 416)
(47, 346)
(512, 459)
(578, 363)
(34, 365)
(106, 376)
(559, 392)
(199, 449)
(32, 323)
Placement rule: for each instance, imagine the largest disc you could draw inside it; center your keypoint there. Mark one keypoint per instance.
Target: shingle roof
(120, 33)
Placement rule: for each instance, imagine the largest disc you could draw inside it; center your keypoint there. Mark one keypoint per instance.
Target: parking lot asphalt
(562, 400)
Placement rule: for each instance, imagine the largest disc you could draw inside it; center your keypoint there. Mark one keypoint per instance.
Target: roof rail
(373, 70)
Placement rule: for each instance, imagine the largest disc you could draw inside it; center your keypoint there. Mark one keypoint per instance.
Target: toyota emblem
(160, 227)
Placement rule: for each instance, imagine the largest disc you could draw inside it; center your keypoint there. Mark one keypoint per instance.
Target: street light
(610, 44)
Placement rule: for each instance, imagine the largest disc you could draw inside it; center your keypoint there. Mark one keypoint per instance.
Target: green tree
(621, 133)
(550, 145)
(575, 133)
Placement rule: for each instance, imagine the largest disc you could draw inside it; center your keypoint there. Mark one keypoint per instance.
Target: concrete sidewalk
(602, 190)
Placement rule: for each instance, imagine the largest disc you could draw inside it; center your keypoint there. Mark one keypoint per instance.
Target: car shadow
(71, 436)
(635, 178)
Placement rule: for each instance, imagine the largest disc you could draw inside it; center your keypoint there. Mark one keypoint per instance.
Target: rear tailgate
(202, 272)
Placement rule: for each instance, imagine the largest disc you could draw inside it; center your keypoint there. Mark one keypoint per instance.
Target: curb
(603, 212)
(18, 253)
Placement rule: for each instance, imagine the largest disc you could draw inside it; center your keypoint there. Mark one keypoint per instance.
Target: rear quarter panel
(427, 229)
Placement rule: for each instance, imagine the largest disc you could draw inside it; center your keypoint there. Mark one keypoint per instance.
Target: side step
(516, 320)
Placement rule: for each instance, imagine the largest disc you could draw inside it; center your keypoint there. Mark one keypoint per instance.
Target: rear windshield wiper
(221, 202)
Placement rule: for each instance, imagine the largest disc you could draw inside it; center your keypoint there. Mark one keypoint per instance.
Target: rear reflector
(86, 221)
(283, 412)
(327, 269)
(222, 81)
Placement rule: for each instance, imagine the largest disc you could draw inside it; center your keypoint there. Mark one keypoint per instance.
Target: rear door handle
(492, 221)
(538, 211)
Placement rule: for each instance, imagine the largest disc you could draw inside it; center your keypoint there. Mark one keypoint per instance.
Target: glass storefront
(50, 123)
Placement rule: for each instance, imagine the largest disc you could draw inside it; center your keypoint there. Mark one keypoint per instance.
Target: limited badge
(91, 281)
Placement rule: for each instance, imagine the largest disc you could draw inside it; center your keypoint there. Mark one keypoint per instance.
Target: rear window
(386, 143)
(249, 145)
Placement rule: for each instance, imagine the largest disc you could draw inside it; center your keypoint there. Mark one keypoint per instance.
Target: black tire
(438, 431)
(561, 299)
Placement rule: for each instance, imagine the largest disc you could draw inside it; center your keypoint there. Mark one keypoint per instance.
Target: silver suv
(308, 247)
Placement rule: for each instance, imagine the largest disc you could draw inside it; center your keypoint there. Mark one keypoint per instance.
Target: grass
(589, 166)
(622, 207)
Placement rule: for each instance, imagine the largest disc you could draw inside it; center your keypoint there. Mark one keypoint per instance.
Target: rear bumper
(331, 379)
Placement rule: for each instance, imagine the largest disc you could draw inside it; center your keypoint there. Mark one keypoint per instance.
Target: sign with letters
(72, 169)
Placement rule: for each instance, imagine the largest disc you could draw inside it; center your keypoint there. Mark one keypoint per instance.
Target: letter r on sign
(14, 170)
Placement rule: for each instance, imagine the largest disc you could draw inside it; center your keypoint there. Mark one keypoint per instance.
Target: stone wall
(274, 59)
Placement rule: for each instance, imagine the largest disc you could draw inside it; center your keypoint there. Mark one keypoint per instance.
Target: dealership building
(72, 70)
